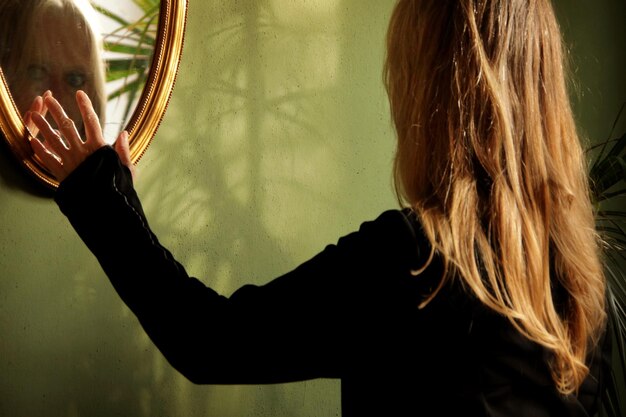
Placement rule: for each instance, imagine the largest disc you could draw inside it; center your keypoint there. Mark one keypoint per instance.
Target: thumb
(123, 151)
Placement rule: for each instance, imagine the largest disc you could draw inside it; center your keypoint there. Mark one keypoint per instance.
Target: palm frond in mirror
(129, 50)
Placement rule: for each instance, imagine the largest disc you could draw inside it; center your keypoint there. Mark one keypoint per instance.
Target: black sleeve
(305, 324)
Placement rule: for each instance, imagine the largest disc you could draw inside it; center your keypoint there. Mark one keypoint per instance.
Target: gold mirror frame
(150, 108)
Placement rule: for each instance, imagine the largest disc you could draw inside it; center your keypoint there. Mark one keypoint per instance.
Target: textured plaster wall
(276, 142)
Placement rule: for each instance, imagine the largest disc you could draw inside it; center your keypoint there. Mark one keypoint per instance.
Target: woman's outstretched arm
(258, 335)
(206, 336)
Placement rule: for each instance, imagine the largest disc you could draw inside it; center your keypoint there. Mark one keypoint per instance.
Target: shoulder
(397, 225)
(394, 235)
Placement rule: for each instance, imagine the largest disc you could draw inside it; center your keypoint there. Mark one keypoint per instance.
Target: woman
(483, 297)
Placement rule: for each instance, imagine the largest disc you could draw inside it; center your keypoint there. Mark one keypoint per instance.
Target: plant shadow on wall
(608, 179)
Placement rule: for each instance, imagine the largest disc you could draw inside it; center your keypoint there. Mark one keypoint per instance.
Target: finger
(35, 107)
(64, 123)
(122, 148)
(93, 131)
(44, 107)
(28, 122)
(123, 151)
(51, 136)
(49, 160)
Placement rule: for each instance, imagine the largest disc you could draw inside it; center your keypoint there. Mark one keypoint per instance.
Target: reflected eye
(75, 79)
(36, 72)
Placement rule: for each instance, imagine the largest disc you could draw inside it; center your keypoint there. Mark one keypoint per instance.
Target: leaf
(121, 48)
(609, 140)
(608, 172)
(604, 214)
(126, 88)
(130, 65)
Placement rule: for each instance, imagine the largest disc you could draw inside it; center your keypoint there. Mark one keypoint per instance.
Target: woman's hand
(63, 150)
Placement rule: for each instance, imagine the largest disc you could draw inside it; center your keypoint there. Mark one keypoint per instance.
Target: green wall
(276, 141)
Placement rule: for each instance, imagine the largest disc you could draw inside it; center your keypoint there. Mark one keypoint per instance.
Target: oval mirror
(123, 54)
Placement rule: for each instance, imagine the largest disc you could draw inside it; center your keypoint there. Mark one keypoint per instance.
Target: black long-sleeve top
(351, 312)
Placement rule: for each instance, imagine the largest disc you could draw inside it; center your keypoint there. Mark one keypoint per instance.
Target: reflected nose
(65, 95)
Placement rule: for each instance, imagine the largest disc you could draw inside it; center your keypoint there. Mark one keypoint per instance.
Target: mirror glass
(123, 54)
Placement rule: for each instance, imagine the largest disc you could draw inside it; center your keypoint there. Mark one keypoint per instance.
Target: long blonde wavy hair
(489, 158)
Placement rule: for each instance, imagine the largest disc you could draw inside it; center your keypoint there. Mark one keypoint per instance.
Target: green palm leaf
(131, 47)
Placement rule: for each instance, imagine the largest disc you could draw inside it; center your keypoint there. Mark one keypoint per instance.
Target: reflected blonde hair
(489, 159)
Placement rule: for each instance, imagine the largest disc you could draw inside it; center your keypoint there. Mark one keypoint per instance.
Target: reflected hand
(63, 150)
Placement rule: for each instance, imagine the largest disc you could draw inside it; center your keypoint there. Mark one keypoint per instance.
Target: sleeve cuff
(100, 172)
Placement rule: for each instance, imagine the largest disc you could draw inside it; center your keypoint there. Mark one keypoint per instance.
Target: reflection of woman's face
(57, 58)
